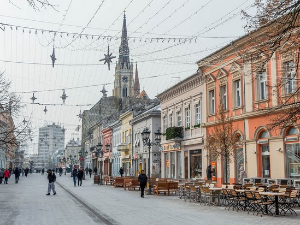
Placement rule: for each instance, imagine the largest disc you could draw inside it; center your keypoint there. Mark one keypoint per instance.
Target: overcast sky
(25, 53)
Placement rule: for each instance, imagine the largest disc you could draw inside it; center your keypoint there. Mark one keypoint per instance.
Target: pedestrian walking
(208, 172)
(1, 175)
(242, 175)
(90, 172)
(43, 171)
(51, 186)
(74, 173)
(95, 170)
(26, 172)
(22, 171)
(121, 171)
(80, 176)
(17, 174)
(60, 171)
(143, 182)
(6, 175)
(86, 171)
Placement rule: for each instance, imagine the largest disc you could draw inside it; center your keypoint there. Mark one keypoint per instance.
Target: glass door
(265, 159)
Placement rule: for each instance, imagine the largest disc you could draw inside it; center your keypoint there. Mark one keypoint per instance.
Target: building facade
(149, 119)
(182, 116)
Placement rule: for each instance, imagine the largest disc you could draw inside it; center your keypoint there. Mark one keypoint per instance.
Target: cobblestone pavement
(26, 203)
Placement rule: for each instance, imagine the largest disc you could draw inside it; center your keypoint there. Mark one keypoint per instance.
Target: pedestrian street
(26, 203)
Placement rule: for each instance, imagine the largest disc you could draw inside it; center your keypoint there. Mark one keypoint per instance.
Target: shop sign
(196, 151)
(291, 139)
(261, 142)
(172, 146)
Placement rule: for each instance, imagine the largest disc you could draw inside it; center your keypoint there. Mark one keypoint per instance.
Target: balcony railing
(123, 147)
(175, 133)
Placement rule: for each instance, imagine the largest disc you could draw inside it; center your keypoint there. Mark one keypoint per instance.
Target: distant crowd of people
(6, 174)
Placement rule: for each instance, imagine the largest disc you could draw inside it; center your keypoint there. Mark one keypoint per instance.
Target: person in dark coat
(208, 172)
(95, 170)
(143, 182)
(74, 173)
(121, 171)
(90, 172)
(80, 176)
(26, 172)
(51, 186)
(17, 174)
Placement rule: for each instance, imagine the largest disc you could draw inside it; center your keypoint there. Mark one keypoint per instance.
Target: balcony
(174, 133)
(123, 147)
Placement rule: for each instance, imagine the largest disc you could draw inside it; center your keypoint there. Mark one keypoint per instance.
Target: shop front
(171, 161)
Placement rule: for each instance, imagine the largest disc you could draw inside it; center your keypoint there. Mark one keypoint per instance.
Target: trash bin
(97, 179)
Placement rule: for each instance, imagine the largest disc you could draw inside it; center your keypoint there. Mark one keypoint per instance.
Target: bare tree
(278, 21)
(220, 140)
(36, 4)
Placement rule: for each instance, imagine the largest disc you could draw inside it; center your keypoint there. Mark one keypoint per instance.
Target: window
(292, 131)
(262, 85)
(171, 119)
(292, 160)
(211, 102)
(188, 117)
(179, 118)
(290, 81)
(237, 93)
(165, 123)
(223, 98)
(197, 114)
(124, 91)
(264, 134)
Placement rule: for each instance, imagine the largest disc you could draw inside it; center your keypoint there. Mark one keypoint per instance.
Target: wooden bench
(134, 184)
(119, 182)
(126, 183)
(173, 187)
(161, 187)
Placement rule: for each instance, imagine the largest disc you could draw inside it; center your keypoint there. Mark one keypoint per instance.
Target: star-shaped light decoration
(53, 57)
(24, 121)
(104, 91)
(33, 98)
(45, 109)
(80, 115)
(64, 96)
(107, 58)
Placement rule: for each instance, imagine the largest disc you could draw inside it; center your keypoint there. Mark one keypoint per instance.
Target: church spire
(136, 82)
(124, 49)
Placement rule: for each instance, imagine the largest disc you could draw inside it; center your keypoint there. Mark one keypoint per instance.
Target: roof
(142, 94)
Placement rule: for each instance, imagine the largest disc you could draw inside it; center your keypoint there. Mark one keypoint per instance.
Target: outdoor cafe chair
(191, 193)
(263, 205)
(250, 201)
(238, 200)
(288, 202)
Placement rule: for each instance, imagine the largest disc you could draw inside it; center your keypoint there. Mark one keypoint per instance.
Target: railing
(123, 147)
(174, 133)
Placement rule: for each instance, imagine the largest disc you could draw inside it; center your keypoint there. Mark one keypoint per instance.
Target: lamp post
(147, 142)
(100, 152)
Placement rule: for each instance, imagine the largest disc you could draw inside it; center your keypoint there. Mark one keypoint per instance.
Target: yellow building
(126, 139)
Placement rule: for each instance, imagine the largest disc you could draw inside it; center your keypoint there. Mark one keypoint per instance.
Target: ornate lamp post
(147, 142)
(107, 147)
(100, 154)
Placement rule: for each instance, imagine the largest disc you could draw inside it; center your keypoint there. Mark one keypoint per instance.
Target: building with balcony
(182, 116)
(107, 153)
(116, 141)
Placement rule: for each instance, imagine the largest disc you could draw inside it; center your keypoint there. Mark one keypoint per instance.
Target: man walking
(1, 175)
(121, 171)
(80, 176)
(51, 186)
(90, 172)
(6, 176)
(95, 170)
(74, 173)
(17, 174)
(143, 181)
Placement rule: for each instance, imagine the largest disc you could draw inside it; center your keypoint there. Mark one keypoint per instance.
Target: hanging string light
(64, 96)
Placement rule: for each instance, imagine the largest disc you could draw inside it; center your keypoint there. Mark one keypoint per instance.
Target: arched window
(292, 131)
(125, 92)
(264, 134)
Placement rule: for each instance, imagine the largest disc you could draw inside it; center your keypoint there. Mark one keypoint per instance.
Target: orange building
(246, 88)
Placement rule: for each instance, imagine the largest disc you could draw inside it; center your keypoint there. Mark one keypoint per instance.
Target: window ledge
(236, 108)
(212, 114)
(261, 101)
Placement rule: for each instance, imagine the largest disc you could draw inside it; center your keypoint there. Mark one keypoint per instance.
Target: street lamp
(100, 152)
(147, 142)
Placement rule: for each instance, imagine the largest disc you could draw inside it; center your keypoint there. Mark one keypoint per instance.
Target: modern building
(51, 138)
(183, 110)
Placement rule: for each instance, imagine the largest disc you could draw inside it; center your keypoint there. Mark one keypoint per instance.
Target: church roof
(142, 94)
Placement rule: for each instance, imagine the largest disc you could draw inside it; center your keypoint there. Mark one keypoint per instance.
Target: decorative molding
(236, 76)
(211, 86)
(235, 67)
(222, 73)
(223, 81)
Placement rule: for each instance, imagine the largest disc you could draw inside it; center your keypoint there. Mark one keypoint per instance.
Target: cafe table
(276, 195)
(218, 191)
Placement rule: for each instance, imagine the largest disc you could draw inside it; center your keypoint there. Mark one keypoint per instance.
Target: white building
(116, 155)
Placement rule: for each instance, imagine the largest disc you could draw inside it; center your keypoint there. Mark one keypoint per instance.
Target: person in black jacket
(143, 181)
(80, 176)
(17, 174)
(51, 186)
